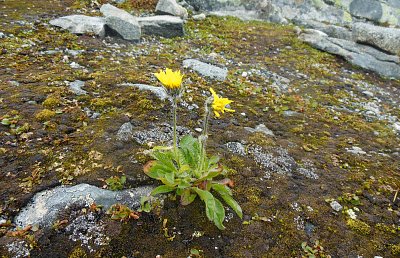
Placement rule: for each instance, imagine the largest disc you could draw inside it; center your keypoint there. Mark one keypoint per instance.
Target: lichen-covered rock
(81, 24)
(121, 22)
(207, 70)
(46, 205)
(162, 25)
(76, 87)
(369, 9)
(364, 56)
(125, 132)
(384, 38)
(158, 91)
(170, 7)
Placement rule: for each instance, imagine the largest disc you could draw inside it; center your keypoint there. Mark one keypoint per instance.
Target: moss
(395, 249)
(78, 252)
(45, 115)
(359, 226)
(52, 102)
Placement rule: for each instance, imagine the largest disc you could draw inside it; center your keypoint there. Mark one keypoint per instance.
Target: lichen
(45, 115)
(359, 226)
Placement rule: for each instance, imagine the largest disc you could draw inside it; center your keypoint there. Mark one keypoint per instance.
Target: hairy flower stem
(174, 111)
(204, 135)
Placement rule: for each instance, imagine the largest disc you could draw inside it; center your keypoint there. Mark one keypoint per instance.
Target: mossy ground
(68, 147)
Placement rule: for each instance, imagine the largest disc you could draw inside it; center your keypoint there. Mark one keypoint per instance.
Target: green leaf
(5, 121)
(214, 209)
(187, 197)
(162, 189)
(226, 194)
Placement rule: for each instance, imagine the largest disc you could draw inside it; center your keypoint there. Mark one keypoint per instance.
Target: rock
(331, 30)
(199, 17)
(121, 22)
(336, 206)
(81, 24)
(162, 133)
(2, 35)
(207, 70)
(261, 128)
(387, 39)
(356, 150)
(14, 83)
(170, 7)
(162, 25)
(125, 132)
(75, 65)
(368, 9)
(46, 205)
(364, 56)
(158, 91)
(76, 87)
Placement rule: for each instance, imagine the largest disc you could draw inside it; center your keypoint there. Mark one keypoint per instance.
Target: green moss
(45, 115)
(52, 102)
(359, 226)
(78, 252)
(395, 249)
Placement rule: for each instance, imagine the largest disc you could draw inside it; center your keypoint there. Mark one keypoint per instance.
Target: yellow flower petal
(219, 104)
(169, 78)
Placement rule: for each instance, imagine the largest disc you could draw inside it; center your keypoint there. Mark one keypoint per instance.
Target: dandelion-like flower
(170, 79)
(219, 104)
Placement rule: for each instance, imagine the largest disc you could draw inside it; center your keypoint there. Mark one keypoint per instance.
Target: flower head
(219, 104)
(170, 79)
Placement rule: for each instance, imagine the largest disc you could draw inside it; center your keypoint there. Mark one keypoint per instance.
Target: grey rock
(170, 7)
(207, 70)
(236, 148)
(387, 39)
(125, 132)
(162, 25)
(336, 206)
(2, 35)
(356, 150)
(308, 170)
(364, 56)
(76, 87)
(121, 22)
(81, 24)
(18, 249)
(199, 17)
(14, 83)
(161, 133)
(368, 9)
(261, 128)
(331, 30)
(158, 91)
(46, 205)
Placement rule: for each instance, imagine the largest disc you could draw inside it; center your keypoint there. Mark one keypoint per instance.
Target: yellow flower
(219, 104)
(170, 79)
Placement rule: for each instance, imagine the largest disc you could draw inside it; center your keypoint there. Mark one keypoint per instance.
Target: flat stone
(121, 22)
(207, 70)
(261, 128)
(387, 39)
(356, 150)
(162, 25)
(331, 30)
(81, 24)
(158, 91)
(171, 7)
(46, 205)
(76, 87)
(361, 55)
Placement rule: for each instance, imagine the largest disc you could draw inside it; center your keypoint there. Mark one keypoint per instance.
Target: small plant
(186, 169)
(116, 183)
(316, 251)
(122, 213)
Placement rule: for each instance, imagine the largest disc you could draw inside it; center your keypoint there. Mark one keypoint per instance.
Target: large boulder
(331, 30)
(387, 39)
(81, 24)
(368, 9)
(121, 22)
(162, 25)
(361, 55)
(170, 7)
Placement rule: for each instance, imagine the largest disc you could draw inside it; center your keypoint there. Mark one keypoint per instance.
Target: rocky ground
(313, 147)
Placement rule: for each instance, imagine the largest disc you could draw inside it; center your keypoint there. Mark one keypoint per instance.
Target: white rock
(81, 24)
(170, 7)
